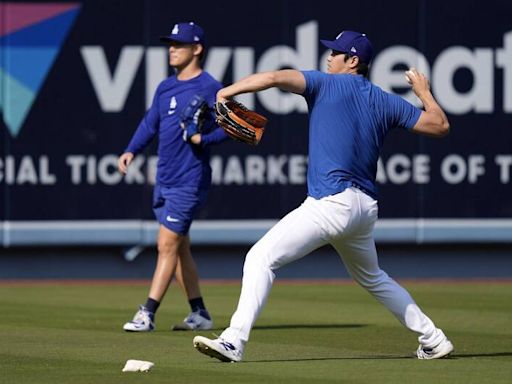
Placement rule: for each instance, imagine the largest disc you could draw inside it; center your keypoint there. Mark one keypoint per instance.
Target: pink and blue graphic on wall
(31, 35)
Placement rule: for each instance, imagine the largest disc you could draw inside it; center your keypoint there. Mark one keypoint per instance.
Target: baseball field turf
(308, 333)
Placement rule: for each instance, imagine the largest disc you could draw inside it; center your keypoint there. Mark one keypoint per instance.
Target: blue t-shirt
(349, 118)
(179, 163)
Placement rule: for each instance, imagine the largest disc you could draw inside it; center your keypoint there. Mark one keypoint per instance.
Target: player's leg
(167, 261)
(186, 272)
(357, 249)
(188, 278)
(174, 209)
(296, 235)
(143, 320)
(168, 244)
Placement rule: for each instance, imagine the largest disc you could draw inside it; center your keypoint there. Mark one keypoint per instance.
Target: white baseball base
(138, 366)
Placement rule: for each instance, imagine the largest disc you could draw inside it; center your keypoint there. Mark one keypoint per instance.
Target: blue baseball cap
(188, 33)
(355, 43)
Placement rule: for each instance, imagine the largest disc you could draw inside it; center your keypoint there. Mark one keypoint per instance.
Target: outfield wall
(241, 232)
(401, 261)
(76, 77)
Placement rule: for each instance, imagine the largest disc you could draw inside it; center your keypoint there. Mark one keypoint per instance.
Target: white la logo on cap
(175, 30)
(341, 33)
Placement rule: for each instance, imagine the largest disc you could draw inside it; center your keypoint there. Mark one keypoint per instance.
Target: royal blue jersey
(179, 163)
(349, 118)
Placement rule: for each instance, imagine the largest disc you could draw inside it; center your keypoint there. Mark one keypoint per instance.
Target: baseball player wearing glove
(183, 118)
(349, 119)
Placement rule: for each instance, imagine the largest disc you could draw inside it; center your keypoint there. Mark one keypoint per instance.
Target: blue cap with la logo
(188, 33)
(354, 43)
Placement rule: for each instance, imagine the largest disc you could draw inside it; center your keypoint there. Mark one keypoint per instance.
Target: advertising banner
(77, 76)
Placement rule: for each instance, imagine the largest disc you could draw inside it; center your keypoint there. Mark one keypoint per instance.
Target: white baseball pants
(345, 221)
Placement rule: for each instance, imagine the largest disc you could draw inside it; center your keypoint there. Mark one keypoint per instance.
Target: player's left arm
(215, 136)
(289, 80)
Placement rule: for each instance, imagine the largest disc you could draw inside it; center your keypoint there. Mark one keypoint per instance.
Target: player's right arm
(146, 131)
(433, 120)
(143, 135)
(289, 80)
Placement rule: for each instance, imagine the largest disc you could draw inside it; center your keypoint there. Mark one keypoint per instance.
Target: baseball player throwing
(349, 118)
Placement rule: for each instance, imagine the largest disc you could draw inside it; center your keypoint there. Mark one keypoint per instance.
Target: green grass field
(307, 333)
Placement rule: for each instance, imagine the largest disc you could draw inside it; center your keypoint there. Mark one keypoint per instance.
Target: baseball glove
(193, 116)
(239, 122)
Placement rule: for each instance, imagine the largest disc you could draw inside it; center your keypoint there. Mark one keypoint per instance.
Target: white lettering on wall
(112, 87)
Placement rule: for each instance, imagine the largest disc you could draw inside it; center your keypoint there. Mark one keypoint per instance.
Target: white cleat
(143, 321)
(218, 348)
(195, 321)
(443, 349)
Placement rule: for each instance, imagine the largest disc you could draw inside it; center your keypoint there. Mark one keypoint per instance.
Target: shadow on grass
(493, 354)
(309, 326)
(396, 357)
(391, 357)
